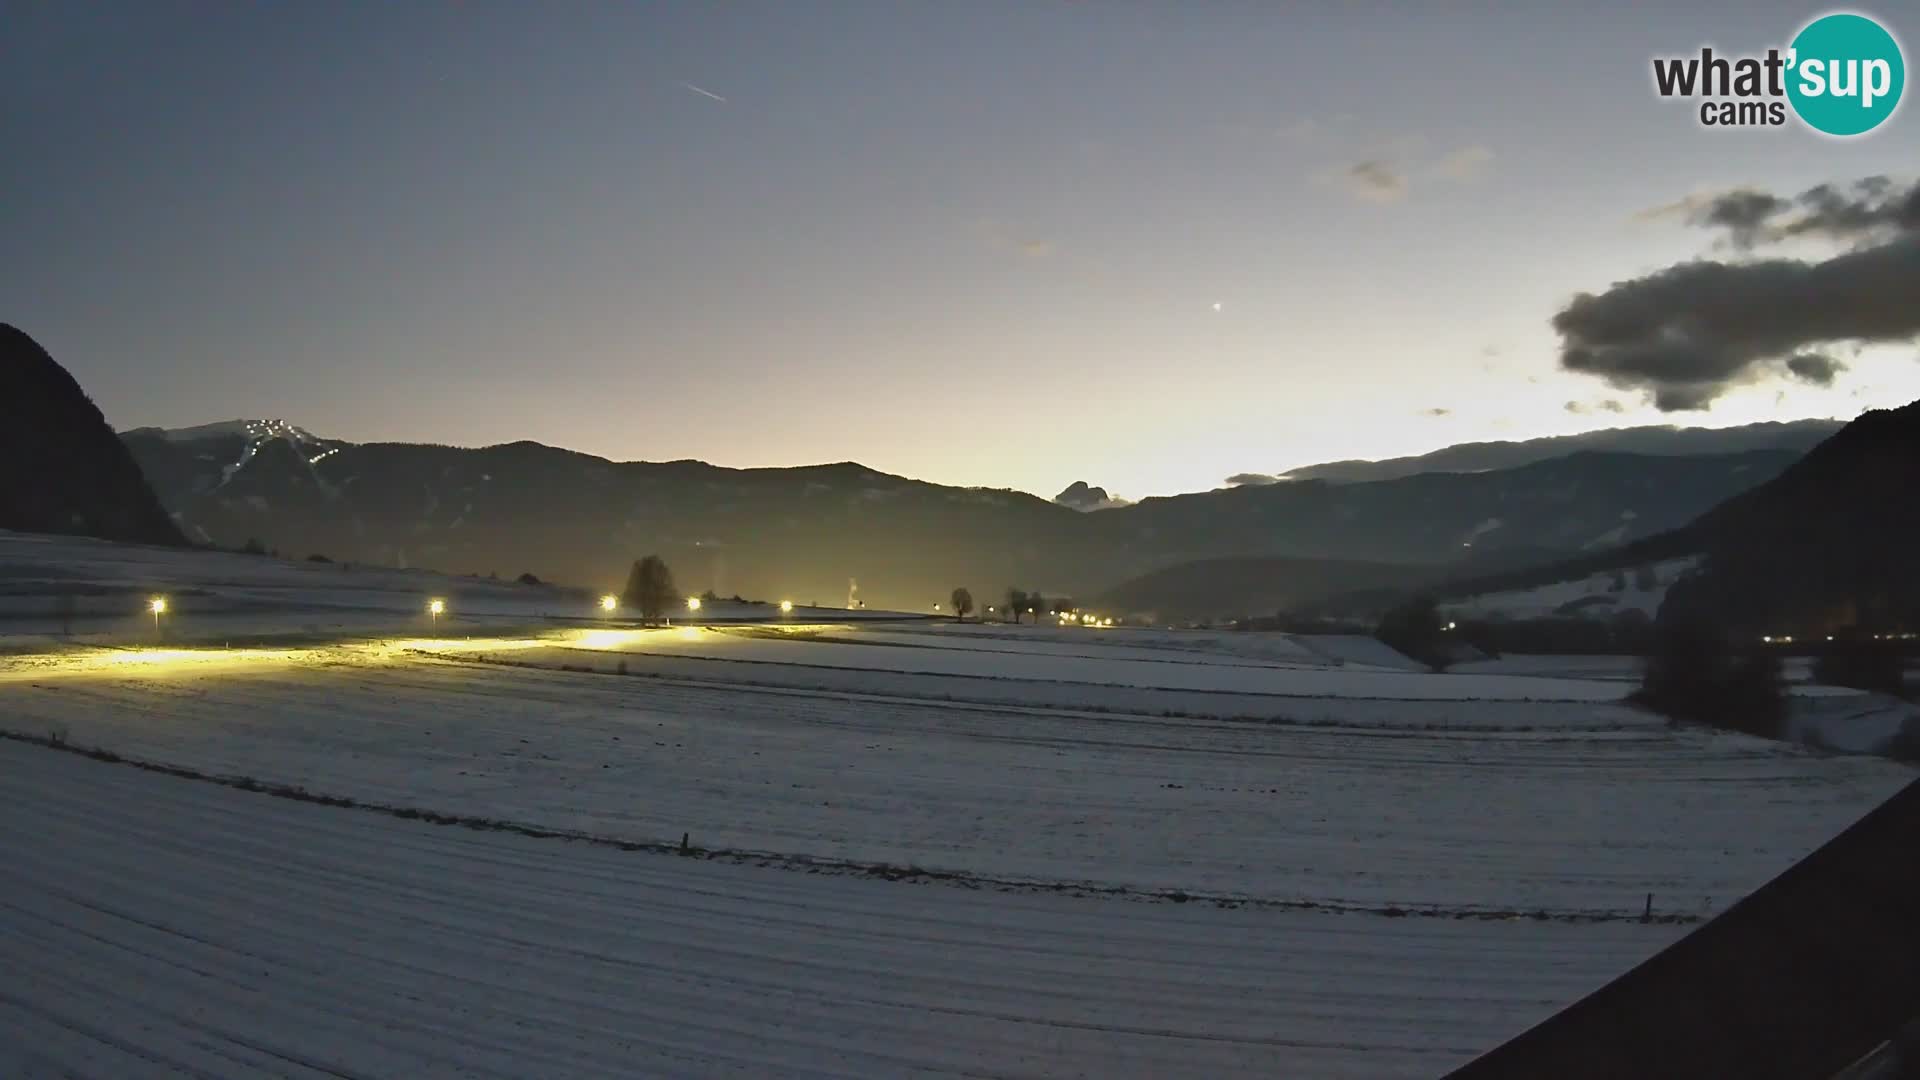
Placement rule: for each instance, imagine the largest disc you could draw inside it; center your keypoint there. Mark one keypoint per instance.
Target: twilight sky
(1008, 244)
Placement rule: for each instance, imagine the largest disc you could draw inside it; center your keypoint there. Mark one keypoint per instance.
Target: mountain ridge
(1665, 440)
(65, 471)
(808, 531)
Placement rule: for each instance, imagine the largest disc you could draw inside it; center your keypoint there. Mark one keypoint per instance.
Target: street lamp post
(435, 608)
(157, 605)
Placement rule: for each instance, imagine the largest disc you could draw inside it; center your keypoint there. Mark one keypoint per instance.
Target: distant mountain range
(810, 532)
(1827, 543)
(1079, 496)
(1795, 435)
(1251, 586)
(61, 468)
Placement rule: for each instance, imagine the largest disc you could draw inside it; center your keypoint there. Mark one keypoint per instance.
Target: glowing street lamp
(693, 603)
(786, 607)
(936, 607)
(436, 607)
(609, 602)
(157, 605)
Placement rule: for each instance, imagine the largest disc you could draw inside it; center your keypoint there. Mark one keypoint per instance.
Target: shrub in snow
(1905, 746)
(1862, 665)
(1693, 673)
(1415, 629)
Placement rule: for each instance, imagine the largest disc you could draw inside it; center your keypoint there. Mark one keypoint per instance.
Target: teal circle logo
(1845, 74)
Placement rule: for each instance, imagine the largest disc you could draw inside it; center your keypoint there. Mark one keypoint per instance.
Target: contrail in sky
(704, 93)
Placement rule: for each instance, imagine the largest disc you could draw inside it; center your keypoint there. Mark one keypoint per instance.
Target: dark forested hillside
(62, 468)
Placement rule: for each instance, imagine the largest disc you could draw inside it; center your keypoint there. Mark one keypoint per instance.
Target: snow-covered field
(209, 932)
(926, 848)
(64, 589)
(1601, 595)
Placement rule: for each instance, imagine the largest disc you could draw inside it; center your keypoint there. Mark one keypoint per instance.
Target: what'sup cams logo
(1842, 75)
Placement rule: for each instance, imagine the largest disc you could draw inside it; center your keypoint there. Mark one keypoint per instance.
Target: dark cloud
(1873, 209)
(1251, 479)
(1385, 180)
(1376, 181)
(1742, 213)
(1816, 368)
(1686, 334)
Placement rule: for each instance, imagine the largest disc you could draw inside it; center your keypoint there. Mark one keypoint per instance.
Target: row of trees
(1021, 603)
(1697, 669)
(650, 591)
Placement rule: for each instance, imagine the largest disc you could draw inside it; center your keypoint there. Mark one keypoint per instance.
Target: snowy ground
(1592, 596)
(221, 933)
(65, 589)
(1119, 852)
